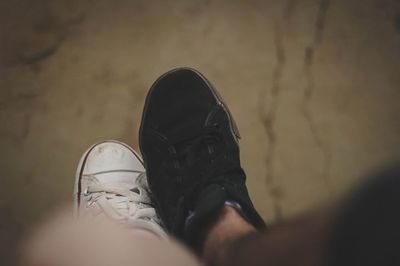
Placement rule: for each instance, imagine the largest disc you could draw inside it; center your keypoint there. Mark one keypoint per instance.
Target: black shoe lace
(201, 160)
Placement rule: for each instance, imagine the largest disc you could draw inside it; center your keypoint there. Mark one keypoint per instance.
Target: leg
(69, 242)
(300, 241)
(361, 230)
(229, 227)
(117, 223)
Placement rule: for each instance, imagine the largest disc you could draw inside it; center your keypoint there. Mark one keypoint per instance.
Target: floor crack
(309, 89)
(268, 116)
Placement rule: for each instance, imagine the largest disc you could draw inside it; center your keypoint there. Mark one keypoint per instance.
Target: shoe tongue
(124, 177)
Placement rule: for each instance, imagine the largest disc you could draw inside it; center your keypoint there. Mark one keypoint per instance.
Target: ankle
(228, 227)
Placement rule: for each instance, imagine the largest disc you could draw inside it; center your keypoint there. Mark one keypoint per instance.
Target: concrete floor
(313, 85)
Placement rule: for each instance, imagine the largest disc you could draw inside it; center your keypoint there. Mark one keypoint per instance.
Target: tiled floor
(314, 87)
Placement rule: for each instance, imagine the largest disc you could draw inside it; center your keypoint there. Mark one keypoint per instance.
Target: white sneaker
(111, 182)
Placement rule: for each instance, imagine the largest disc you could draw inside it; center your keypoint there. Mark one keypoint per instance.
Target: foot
(190, 146)
(111, 182)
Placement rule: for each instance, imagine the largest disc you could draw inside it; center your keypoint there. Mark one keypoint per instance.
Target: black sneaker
(190, 146)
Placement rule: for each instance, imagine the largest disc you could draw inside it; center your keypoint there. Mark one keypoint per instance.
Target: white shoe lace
(121, 202)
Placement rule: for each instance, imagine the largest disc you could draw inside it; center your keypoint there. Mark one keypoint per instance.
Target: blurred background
(314, 86)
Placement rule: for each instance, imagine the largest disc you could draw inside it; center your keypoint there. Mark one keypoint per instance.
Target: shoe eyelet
(86, 192)
(171, 150)
(176, 164)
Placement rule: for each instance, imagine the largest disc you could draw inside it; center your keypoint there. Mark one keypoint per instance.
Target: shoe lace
(121, 202)
(203, 157)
